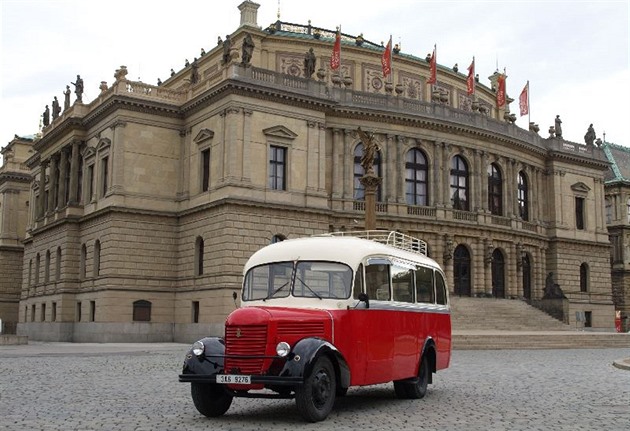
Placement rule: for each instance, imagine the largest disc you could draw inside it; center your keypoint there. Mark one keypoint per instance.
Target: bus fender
(210, 362)
(306, 352)
(430, 350)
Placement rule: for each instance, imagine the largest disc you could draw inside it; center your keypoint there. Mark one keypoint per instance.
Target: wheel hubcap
(321, 388)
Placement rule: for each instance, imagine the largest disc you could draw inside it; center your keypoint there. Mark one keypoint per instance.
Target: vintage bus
(321, 314)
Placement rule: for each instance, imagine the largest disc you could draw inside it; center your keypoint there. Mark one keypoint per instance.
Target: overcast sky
(574, 53)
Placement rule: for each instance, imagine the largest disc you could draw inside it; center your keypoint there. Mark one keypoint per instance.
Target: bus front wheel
(211, 400)
(315, 398)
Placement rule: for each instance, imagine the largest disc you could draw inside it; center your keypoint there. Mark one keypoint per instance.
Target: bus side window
(377, 282)
(440, 288)
(402, 283)
(424, 285)
(358, 282)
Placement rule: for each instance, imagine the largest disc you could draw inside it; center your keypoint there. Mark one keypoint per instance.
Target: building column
(337, 188)
(399, 171)
(246, 165)
(74, 174)
(54, 181)
(42, 188)
(388, 169)
(478, 269)
(63, 173)
(347, 162)
(446, 176)
(435, 185)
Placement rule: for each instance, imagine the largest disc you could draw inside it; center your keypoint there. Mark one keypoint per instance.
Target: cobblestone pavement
(61, 386)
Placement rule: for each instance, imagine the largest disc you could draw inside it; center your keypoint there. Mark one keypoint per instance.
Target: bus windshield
(308, 279)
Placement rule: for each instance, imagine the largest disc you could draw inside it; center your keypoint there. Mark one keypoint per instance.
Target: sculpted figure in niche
(56, 109)
(248, 50)
(46, 116)
(589, 138)
(558, 127)
(78, 88)
(309, 63)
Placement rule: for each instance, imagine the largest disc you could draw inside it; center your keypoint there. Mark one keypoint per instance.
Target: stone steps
(526, 340)
(489, 323)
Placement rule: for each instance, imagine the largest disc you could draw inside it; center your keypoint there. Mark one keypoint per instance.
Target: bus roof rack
(392, 238)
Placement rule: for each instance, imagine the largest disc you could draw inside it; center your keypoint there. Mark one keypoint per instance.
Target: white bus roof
(345, 248)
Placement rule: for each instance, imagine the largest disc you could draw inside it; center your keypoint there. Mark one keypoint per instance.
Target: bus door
(380, 324)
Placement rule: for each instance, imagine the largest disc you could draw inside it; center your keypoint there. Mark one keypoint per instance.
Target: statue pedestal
(371, 183)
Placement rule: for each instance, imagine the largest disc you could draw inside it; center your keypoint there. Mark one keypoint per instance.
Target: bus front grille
(245, 341)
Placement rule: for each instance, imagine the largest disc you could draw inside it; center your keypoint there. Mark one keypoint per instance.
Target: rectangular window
(205, 170)
(277, 167)
(90, 184)
(33, 313)
(424, 285)
(195, 312)
(53, 316)
(43, 313)
(588, 319)
(104, 175)
(579, 213)
(78, 312)
(92, 311)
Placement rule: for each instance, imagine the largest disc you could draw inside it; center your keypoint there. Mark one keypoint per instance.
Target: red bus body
(319, 315)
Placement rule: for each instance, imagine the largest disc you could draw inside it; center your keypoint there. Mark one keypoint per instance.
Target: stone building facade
(15, 181)
(617, 207)
(149, 199)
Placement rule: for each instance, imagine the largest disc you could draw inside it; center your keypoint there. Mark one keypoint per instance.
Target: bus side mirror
(364, 298)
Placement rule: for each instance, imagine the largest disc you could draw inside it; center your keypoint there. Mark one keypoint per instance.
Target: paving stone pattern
(123, 387)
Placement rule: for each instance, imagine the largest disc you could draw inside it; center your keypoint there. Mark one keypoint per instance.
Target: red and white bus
(324, 313)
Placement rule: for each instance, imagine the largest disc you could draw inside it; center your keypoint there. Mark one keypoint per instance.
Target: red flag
(433, 67)
(501, 90)
(386, 59)
(523, 100)
(470, 81)
(335, 58)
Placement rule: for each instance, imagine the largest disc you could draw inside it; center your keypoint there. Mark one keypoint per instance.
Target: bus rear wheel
(210, 399)
(417, 388)
(315, 398)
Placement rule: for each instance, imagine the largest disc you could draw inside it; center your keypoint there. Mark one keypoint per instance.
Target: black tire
(211, 400)
(315, 398)
(416, 389)
(341, 392)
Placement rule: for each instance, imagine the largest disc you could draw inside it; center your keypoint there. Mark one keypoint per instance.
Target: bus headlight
(283, 349)
(198, 348)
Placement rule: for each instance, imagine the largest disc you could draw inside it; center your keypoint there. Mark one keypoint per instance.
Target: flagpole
(391, 58)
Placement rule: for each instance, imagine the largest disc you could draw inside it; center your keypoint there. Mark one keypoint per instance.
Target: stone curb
(622, 364)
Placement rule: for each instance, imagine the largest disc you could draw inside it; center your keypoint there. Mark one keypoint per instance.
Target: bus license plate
(234, 379)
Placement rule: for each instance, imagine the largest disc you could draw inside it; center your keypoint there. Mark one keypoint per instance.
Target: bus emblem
(238, 332)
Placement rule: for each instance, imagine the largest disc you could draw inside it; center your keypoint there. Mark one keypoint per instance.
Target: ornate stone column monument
(369, 180)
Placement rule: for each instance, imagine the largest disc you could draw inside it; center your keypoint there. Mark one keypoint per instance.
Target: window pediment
(580, 187)
(203, 135)
(280, 132)
(103, 143)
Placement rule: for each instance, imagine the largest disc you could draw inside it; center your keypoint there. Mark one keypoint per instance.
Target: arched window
(498, 274)
(82, 261)
(523, 196)
(416, 176)
(199, 249)
(30, 272)
(459, 184)
(58, 264)
(583, 277)
(47, 267)
(359, 190)
(142, 311)
(495, 190)
(97, 258)
(37, 259)
(461, 271)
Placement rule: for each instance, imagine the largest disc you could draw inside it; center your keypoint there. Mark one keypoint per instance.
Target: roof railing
(391, 238)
